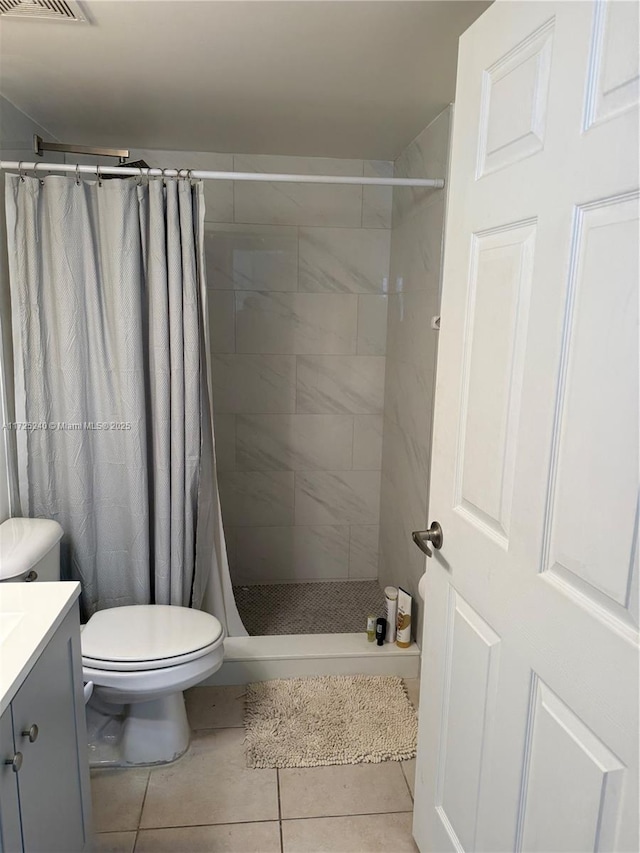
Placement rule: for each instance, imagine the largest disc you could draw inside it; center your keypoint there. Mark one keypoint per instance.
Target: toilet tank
(30, 549)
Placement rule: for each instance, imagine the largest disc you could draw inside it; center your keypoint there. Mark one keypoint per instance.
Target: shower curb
(249, 659)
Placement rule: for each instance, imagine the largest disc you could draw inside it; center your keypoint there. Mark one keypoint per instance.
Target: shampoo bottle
(391, 608)
(403, 637)
(371, 628)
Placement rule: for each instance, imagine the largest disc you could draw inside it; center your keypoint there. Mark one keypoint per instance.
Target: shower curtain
(114, 430)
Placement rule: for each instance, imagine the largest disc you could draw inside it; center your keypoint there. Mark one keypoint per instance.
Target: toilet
(137, 660)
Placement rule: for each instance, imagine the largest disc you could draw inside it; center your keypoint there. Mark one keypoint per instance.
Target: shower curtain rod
(24, 166)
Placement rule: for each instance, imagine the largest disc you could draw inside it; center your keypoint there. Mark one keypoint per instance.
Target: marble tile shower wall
(297, 280)
(414, 297)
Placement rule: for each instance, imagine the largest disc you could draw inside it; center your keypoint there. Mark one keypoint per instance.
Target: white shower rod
(24, 166)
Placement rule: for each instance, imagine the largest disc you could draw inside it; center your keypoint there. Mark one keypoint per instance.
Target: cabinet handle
(15, 762)
(32, 733)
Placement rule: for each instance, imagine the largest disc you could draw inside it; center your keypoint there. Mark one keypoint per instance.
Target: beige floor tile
(361, 834)
(225, 838)
(413, 689)
(343, 790)
(409, 768)
(210, 784)
(117, 798)
(114, 842)
(215, 707)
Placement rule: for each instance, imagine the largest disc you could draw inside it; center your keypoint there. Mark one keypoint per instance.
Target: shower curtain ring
(99, 176)
(35, 175)
(20, 172)
(78, 174)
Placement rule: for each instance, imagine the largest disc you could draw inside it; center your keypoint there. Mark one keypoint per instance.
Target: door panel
(50, 783)
(614, 61)
(568, 771)
(595, 448)
(498, 304)
(528, 734)
(10, 832)
(514, 102)
(471, 677)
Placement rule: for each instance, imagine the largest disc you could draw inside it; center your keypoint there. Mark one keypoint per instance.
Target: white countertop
(29, 616)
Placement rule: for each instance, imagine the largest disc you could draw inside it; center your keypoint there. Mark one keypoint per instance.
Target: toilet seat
(144, 665)
(148, 683)
(142, 637)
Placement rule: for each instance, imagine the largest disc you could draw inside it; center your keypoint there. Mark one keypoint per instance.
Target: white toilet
(136, 659)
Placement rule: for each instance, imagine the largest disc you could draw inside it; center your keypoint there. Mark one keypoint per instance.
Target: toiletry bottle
(381, 630)
(403, 635)
(391, 606)
(371, 628)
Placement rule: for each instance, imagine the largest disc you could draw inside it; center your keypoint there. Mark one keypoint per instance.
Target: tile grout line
(358, 814)
(406, 781)
(250, 822)
(279, 811)
(196, 825)
(285, 225)
(144, 800)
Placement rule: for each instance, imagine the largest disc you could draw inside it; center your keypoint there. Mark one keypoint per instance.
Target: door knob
(433, 534)
(32, 733)
(15, 762)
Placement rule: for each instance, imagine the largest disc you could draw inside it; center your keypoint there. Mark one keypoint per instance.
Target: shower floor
(338, 607)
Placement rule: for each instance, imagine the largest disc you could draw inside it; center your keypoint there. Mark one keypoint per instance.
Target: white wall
(414, 297)
(16, 143)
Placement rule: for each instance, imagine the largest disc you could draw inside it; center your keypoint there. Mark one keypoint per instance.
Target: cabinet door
(10, 835)
(52, 780)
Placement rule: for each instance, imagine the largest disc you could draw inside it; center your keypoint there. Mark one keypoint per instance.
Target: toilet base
(139, 734)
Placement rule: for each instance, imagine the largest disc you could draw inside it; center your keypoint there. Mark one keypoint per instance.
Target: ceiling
(332, 79)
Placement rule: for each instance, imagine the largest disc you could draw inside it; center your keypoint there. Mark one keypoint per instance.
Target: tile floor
(209, 801)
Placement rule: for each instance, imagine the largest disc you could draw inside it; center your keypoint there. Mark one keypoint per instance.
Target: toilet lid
(147, 632)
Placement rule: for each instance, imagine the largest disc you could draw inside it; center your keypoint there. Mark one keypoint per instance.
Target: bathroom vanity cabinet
(44, 776)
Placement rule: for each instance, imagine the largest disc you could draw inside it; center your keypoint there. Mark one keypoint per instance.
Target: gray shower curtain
(113, 417)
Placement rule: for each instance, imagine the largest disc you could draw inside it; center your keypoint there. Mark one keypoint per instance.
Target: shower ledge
(293, 655)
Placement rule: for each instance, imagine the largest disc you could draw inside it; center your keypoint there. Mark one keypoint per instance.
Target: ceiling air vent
(52, 10)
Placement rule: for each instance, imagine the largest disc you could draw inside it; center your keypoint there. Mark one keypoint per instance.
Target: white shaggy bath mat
(337, 719)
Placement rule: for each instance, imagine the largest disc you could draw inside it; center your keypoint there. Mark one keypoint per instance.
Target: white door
(529, 699)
